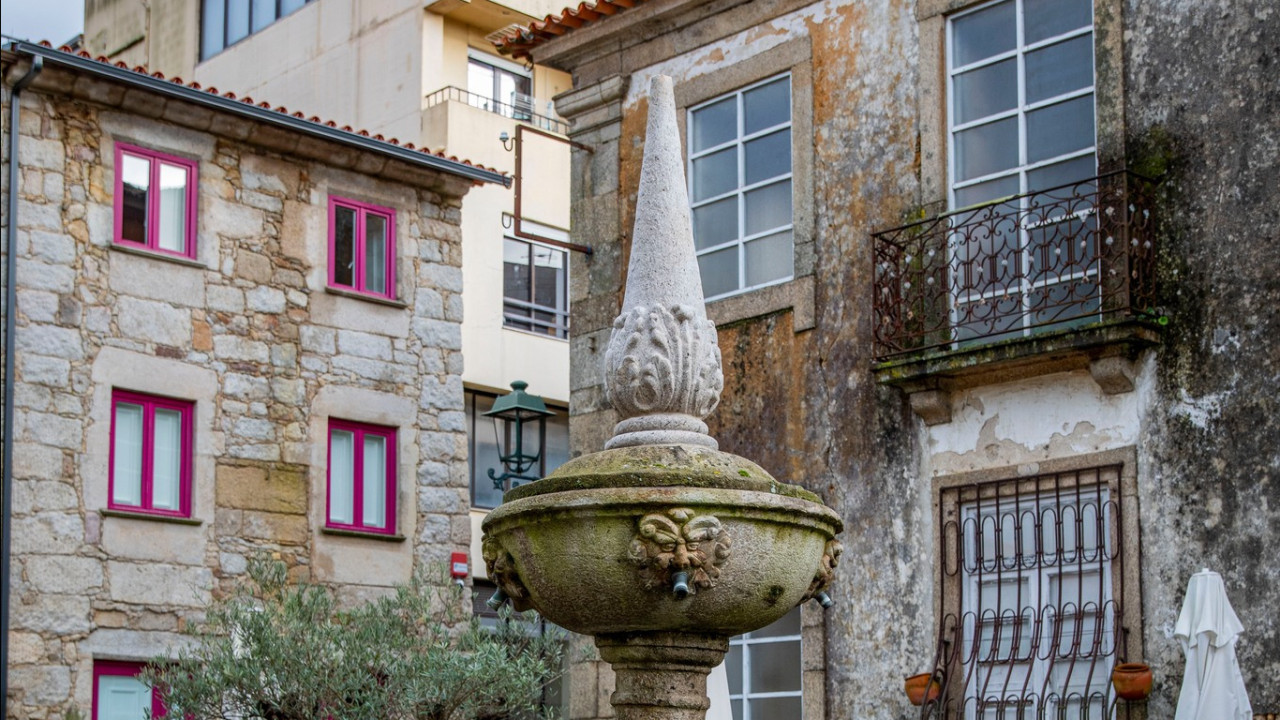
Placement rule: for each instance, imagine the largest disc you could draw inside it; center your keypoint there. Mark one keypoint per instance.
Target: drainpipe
(10, 318)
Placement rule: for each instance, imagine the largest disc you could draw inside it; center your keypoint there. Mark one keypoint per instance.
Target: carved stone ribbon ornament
(502, 571)
(680, 541)
(826, 570)
(663, 373)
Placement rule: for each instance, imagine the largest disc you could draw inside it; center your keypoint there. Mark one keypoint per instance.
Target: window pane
(715, 223)
(715, 174)
(126, 466)
(264, 13)
(1046, 18)
(166, 471)
(211, 27)
(768, 207)
(121, 697)
(516, 282)
(719, 271)
(374, 481)
(733, 668)
(375, 253)
(775, 667)
(982, 34)
(986, 149)
(135, 176)
(1060, 129)
(480, 80)
(341, 476)
(766, 106)
(288, 6)
(237, 20)
(768, 258)
(714, 124)
(1060, 68)
(485, 457)
(768, 156)
(344, 246)
(986, 91)
(173, 208)
(782, 708)
(985, 192)
(557, 441)
(1068, 171)
(548, 279)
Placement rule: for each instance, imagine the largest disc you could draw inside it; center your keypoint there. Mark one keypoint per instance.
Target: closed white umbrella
(1212, 686)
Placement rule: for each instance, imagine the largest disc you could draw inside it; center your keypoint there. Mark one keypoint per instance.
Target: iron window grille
(1032, 587)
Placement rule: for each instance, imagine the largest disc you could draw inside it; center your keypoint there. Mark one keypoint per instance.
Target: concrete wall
(249, 333)
(804, 403)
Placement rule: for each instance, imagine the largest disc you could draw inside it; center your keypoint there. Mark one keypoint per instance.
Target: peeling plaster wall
(1196, 101)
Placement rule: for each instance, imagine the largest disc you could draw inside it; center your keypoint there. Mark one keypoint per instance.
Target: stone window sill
(175, 259)
(397, 538)
(795, 294)
(367, 298)
(1106, 349)
(150, 517)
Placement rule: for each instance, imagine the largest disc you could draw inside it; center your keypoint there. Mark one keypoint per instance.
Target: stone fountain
(661, 546)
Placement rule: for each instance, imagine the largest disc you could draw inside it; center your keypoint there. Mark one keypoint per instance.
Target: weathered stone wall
(1191, 95)
(250, 334)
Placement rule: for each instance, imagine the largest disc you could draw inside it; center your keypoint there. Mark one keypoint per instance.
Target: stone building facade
(245, 335)
(1152, 409)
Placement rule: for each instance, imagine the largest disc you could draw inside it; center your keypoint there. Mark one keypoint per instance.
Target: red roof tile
(142, 70)
(517, 41)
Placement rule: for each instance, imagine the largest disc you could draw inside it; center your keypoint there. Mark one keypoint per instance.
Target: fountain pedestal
(661, 675)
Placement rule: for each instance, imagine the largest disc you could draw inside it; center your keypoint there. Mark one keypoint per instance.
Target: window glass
(237, 20)
(123, 698)
(740, 188)
(173, 207)
(166, 476)
(984, 33)
(288, 6)
(764, 671)
(483, 445)
(375, 253)
(342, 460)
(1059, 68)
(374, 512)
(212, 26)
(1046, 18)
(986, 149)
(1060, 129)
(127, 460)
(344, 246)
(135, 179)
(535, 288)
(988, 90)
(264, 13)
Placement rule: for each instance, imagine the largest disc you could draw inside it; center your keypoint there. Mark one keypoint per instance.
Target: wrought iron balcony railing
(1048, 260)
(521, 111)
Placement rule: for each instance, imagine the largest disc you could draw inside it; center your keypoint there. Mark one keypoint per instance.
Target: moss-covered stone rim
(657, 466)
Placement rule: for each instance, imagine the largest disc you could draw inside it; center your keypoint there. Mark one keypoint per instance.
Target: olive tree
(272, 650)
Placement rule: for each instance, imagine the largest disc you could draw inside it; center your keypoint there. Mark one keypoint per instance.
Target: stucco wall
(249, 332)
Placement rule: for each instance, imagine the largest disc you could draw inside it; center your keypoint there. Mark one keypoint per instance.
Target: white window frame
(1024, 288)
(552, 233)
(740, 190)
(748, 645)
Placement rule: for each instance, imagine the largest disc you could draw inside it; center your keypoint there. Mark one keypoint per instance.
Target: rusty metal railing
(518, 112)
(1047, 260)
(1031, 601)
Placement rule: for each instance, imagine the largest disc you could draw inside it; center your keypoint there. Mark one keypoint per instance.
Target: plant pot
(922, 688)
(1132, 680)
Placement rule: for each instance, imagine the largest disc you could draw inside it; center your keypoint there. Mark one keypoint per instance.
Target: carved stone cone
(662, 366)
(661, 546)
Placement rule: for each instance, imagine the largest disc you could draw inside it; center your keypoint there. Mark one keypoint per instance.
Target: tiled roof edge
(261, 111)
(518, 40)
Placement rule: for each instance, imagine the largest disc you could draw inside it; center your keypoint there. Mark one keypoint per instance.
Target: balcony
(1051, 280)
(521, 109)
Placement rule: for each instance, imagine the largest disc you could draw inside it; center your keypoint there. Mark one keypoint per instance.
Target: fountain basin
(597, 546)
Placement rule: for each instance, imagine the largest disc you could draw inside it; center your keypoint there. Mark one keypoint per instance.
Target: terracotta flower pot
(922, 688)
(1132, 680)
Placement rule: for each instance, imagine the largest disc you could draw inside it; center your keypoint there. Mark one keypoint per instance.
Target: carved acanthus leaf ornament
(680, 541)
(663, 361)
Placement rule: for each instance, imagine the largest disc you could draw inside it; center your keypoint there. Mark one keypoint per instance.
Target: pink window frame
(149, 404)
(153, 157)
(358, 274)
(359, 430)
(122, 668)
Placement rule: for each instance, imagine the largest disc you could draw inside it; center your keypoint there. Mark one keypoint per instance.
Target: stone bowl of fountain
(661, 546)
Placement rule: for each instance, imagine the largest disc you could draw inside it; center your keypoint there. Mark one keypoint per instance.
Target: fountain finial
(662, 367)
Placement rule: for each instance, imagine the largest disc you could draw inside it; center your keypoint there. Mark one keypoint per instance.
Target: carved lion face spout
(679, 540)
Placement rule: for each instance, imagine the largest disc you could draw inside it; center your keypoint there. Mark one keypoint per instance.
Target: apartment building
(422, 73)
(235, 329)
(993, 277)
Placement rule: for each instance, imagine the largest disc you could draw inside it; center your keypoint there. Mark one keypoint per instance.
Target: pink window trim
(358, 275)
(122, 668)
(359, 430)
(152, 243)
(149, 404)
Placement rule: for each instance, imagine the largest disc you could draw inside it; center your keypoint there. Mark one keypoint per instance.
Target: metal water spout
(681, 545)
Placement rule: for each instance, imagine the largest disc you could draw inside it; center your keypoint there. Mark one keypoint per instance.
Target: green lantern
(510, 414)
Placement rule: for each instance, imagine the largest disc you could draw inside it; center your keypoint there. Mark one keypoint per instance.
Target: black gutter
(260, 114)
(10, 318)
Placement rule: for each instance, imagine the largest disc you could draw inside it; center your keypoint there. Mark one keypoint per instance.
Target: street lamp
(513, 411)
